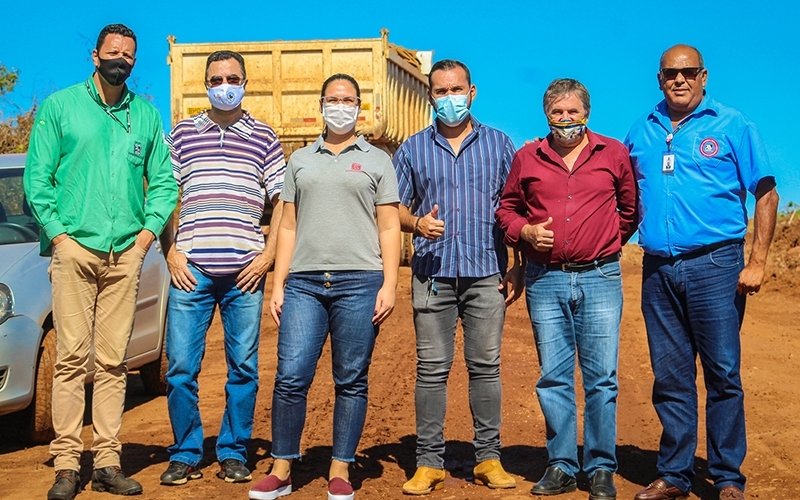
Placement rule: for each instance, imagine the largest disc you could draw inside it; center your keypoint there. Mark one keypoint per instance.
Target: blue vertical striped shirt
(467, 187)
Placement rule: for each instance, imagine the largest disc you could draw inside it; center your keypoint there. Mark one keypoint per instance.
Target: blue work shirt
(718, 157)
(467, 187)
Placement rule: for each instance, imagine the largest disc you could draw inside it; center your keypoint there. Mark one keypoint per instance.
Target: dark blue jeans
(189, 315)
(691, 308)
(314, 304)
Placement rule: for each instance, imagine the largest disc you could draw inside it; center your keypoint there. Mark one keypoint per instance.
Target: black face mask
(115, 71)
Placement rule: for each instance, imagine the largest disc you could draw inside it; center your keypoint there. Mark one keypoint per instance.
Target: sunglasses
(688, 73)
(216, 81)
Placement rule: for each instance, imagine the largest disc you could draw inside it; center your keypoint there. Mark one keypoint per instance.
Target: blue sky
(513, 48)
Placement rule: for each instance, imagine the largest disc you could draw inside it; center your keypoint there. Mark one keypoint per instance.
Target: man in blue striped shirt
(450, 178)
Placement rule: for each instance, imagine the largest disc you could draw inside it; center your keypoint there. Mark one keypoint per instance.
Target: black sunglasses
(216, 81)
(688, 73)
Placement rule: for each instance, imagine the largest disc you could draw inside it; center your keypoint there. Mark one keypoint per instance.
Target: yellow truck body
(284, 80)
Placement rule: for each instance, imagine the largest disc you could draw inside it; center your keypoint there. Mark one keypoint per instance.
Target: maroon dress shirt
(593, 207)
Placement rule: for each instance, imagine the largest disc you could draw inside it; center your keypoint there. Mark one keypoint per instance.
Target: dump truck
(284, 80)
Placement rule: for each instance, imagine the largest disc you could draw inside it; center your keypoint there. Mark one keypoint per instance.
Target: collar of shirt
(127, 95)
(595, 143)
(243, 127)
(441, 140)
(361, 143)
(661, 114)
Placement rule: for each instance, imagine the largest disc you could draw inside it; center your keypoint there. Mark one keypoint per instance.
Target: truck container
(284, 80)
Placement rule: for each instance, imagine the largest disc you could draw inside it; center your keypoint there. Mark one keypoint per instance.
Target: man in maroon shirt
(569, 204)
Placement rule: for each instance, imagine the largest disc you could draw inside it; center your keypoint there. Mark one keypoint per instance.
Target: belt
(708, 249)
(579, 267)
(698, 252)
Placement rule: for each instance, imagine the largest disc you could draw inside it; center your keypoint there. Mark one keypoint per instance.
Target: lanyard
(109, 113)
(672, 134)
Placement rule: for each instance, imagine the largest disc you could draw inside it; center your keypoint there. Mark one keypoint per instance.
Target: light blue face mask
(452, 109)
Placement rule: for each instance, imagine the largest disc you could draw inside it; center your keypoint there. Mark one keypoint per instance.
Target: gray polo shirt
(335, 198)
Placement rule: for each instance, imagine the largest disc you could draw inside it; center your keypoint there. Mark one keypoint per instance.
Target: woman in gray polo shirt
(335, 271)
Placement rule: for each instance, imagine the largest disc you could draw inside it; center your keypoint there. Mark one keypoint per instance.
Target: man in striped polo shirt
(227, 164)
(450, 177)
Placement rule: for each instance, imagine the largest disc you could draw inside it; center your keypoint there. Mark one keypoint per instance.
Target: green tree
(15, 130)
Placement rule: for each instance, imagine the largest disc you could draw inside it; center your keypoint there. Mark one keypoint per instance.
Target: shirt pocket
(136, 150)
(708, 152)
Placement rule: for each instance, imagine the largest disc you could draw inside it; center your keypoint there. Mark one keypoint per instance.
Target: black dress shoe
(554, 482)
(601, 487)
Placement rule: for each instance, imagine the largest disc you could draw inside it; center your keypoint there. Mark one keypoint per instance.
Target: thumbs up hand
(538, 235)
(428, 226)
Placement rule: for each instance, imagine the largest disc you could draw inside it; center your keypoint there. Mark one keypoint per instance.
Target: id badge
(668, 163)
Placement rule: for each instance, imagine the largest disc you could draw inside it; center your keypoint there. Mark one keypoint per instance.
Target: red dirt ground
(771, 369)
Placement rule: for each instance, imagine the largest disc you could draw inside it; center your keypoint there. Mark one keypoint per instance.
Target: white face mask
(226, 97)
(340, 118)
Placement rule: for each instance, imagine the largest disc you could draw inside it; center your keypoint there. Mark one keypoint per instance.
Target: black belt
(708, 249)
(699, 252)
(579, 267)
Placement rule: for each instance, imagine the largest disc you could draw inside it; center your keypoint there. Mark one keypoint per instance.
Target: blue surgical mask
(568, 130)
(452, 109)
(226, 97)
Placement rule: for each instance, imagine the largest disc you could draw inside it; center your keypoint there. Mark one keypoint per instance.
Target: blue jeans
(691, 307)
(189, 315)
(342, 303)
(437, 307)
(579, 313)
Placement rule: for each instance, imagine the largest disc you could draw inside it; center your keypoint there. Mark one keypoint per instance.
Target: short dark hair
(224, 55)
(448, 64)
(115, 29)
(340, 76)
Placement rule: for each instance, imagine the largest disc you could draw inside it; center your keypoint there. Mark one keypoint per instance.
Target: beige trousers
(94, 303)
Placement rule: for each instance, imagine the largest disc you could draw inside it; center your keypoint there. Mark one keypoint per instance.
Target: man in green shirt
(96, 152)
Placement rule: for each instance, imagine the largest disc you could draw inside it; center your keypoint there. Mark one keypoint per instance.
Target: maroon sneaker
(271, 488)
(339, 489)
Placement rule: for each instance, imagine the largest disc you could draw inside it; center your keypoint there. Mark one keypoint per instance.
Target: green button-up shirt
(90, 167)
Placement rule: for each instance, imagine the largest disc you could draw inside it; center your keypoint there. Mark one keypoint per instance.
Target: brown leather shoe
(660, 490)
(731, 493)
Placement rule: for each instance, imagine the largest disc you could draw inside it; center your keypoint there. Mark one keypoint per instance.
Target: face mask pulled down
(226, 97)
(115, 71)
(452, 109)
(568, 130)
(340, 118)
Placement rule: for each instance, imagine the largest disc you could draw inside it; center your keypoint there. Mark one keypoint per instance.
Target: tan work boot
(425, 480)
(491, 473)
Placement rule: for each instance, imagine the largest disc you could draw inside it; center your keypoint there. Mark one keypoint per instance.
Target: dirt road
(771, 371)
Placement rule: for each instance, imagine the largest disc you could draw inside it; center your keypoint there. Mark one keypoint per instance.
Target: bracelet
(416, 226)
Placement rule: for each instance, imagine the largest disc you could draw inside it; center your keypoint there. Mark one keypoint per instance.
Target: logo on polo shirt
(137, 149)
(355, 167)
(709, 148)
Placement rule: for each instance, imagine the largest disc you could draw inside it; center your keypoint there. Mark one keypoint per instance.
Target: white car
(27, 336)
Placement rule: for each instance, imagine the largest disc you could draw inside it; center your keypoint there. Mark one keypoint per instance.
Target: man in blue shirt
(450, 177)
(695, 161)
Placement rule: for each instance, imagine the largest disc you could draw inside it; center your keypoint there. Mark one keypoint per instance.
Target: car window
(17, 224)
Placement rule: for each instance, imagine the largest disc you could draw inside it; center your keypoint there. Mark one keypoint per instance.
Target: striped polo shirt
(467, 188)
(225, 176)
